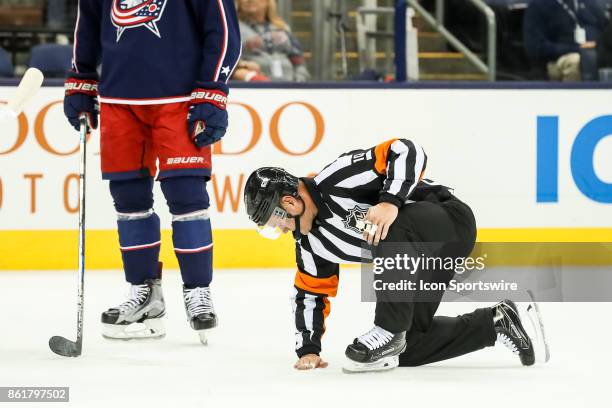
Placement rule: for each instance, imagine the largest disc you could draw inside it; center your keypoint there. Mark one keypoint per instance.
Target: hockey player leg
(192, 238)
(139, 237)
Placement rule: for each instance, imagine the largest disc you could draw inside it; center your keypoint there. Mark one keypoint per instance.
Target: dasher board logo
(352, 218)
(126, 14)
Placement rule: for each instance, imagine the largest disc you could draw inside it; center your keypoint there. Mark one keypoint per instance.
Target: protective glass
(274, 227)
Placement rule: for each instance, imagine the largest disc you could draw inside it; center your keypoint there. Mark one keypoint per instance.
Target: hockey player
(364, 198)
(163, 94)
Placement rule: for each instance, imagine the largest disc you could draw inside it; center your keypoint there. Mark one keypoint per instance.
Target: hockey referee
(366, 199)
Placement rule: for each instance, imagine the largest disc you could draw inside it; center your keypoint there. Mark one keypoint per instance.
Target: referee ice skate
(363, 198)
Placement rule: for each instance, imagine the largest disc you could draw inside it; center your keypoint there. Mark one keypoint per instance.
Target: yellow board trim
(545, 235)
(57, 249)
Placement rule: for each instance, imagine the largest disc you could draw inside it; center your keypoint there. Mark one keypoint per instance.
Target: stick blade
(28, 87)
(64, 347)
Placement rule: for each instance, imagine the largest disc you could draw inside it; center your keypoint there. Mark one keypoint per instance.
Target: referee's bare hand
(309, 361)
(381, 216)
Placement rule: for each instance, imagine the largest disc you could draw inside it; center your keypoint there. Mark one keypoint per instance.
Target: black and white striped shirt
(343, 192)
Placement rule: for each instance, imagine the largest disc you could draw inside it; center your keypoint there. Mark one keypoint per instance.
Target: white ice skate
(200, 311)
(139, 317)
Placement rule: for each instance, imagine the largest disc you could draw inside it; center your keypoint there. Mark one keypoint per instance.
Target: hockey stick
(58, 344)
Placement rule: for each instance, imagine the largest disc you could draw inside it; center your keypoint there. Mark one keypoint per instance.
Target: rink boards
(534, 164)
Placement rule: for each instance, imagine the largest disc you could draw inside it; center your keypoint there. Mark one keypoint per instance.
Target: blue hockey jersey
(153, 51)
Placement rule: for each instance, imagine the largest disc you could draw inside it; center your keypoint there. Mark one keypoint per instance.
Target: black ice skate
(200, 311)
(139, 317)
(511, 333)
(376, 350)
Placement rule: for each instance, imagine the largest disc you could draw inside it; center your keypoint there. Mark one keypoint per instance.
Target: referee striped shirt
(343, 192)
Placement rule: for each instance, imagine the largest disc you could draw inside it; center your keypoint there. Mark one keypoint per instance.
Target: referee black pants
(434, 338)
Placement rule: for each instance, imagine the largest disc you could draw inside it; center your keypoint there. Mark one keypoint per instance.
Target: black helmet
(264, 189)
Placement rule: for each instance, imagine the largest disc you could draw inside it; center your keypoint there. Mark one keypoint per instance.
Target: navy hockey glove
(207, 115)
(81, 96)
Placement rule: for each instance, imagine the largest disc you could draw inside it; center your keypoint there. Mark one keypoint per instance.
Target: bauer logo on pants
(137, 13)
(185, 160)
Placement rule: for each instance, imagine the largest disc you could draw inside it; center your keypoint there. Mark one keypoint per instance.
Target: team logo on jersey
(353, 217)
(127, 14)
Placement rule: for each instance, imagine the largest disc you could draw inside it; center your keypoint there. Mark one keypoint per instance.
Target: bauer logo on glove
(81, 96)
(217, 98)
(207, 114)
(73, 86)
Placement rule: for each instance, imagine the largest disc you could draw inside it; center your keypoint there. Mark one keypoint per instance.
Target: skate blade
(149, 329)
(203, 335)
(538, 336)
(384, 364)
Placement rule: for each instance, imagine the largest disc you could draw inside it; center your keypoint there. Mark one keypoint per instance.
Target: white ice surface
(248, 362)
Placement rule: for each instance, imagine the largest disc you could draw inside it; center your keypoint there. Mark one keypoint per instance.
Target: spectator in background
(558, 34)
(268, 41)
(249, 71)
(604, 47)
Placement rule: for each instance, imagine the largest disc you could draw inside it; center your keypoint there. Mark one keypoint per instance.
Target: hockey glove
(81, 96)
(207, 115)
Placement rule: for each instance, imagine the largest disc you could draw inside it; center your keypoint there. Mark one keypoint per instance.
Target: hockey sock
(192, 238)
(139, 236)
(191, 233)
(139, 240)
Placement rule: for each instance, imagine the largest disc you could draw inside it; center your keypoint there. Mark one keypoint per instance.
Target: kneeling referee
(348, 213)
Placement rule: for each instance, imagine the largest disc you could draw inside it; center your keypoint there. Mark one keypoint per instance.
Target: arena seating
(52, 59)
(6, 66)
